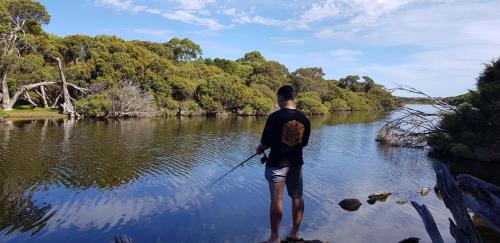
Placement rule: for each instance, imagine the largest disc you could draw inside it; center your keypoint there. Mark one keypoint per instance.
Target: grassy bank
(28, 112)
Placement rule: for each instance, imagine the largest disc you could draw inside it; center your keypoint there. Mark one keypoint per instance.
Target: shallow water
(88, 181)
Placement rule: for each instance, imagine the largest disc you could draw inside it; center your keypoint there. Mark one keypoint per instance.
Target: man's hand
(261, 149)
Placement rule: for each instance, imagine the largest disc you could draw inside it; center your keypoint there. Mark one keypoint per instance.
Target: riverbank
(31, 113)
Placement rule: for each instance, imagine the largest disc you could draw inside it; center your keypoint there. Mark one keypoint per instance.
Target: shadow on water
(150, 179)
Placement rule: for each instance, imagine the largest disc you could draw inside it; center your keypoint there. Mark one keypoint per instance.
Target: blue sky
(437, 46)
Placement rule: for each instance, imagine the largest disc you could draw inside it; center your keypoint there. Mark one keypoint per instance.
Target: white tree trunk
(5, 92)
(44, 97)
(67, 105)
(20, 91)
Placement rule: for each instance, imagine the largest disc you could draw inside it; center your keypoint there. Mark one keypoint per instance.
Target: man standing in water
(286, 133)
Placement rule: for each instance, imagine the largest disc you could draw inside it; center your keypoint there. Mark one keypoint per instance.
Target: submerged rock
(410, 240)
(425, 190)
(379, 196)
(304, 241)
(350, 204)
(401, 202)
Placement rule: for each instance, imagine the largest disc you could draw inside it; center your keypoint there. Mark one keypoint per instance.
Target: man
(286, 133)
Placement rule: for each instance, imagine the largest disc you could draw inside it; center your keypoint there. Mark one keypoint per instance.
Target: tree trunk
(7, 50)
(23, 89)
(5, 92)
(44, 97)
(28, 98)
(67, 105)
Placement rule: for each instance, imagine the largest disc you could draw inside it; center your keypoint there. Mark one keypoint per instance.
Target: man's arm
(307, 133)
(265, 141)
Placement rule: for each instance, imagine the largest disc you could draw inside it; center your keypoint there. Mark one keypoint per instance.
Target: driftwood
(484, 199)
(430, 224)
(123, 239)
(462, 229)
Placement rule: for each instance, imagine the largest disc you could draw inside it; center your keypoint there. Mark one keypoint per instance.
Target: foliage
(94, 106)
(262, 106)
(229, 91)
(210, 105)
(473, 131)
(173, 74)
(184, 50)
(310, 102)
(338, 105)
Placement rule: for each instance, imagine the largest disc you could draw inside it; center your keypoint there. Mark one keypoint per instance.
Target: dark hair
(287, 92)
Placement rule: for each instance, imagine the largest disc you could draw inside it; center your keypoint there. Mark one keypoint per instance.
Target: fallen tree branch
(462, 229)
(411, 127)
(484, 199)
(429, 223)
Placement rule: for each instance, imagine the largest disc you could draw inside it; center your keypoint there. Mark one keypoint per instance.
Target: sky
(436, 46)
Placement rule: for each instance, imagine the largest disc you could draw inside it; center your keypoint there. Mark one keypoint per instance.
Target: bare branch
(411, 127)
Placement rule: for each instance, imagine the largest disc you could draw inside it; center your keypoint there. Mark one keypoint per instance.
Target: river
(151, 179)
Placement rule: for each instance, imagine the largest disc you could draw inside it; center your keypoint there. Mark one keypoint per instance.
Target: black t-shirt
(286, 133)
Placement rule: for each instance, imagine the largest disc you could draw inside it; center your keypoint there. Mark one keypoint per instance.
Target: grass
(29, 112)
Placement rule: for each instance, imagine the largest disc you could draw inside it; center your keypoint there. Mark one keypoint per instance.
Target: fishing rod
(263, 160)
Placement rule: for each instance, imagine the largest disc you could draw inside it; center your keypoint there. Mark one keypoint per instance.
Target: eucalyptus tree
(184, 49)
(19, 20)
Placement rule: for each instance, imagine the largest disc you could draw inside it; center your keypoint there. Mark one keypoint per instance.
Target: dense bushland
(473, 131)
(81, 73)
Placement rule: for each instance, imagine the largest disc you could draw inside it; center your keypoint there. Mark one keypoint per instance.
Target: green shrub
(171, 106)
(310, 103)
(189, 108)
(263, 106)
(94, 106)
(209, 105)
(338, 105)
(474, 129)
(228, 91)
(248, 110)
(182, 89)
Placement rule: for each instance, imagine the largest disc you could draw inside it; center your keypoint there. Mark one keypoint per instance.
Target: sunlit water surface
(88, 181)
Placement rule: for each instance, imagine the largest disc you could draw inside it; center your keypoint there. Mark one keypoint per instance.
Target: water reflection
(150, 178)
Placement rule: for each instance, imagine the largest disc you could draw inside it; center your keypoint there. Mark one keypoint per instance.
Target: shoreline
(36, 115)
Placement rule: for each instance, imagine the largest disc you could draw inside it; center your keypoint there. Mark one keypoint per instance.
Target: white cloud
(333, 34)
(288, 41)
(356, 11)
(157, 33)
(190, 18)
(229, 11)
(319, 12)
(186, 15)
(345, 54)
(245, 19)
(193, 4)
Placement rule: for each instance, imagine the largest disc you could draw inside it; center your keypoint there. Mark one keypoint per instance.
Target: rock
(410, 240)
(371, 201)
(350, 204)
(123, 239)
(401, 202)
(424, 191)
(379, 196)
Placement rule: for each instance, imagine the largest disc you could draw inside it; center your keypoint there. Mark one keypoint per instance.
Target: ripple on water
(152, 179)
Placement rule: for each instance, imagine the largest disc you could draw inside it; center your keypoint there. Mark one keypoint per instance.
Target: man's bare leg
(297, 213)
(276, 210)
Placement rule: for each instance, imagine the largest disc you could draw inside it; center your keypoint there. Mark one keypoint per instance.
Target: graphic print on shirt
(292, 134)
